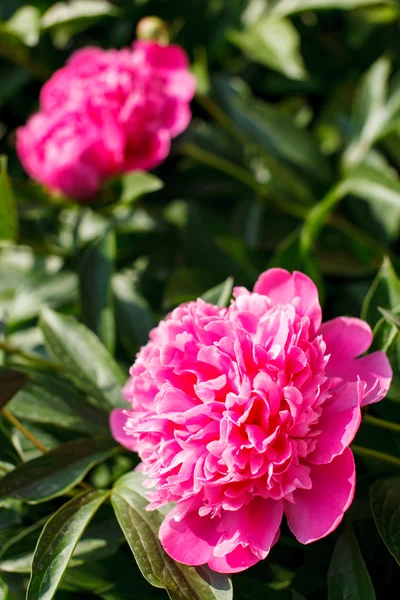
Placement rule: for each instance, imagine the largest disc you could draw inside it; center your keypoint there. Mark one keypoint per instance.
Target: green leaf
(390, 317)
(318, 216)
(8, 207)
(272, 42)
(25, 24)
(220, 294)
(9, 454)
(282, 143)
(16, 586)
(76, 13)
(374, 184)
(90, 578)
(365, 181)
(185, 285)
(385, 335)
(16, 554)
(57, 542)
(85, 360)
(56, 290)
(100, 540)
(95, 274)
(133, 314)
(287, 7)
(370, 114)
(384, 292)
(49, 400)
(138, 184)
(348, 576)
(385, 506)
(57, 471)
(140, 528)
(10, 383)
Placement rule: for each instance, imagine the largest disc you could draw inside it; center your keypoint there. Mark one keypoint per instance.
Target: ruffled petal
(240, 559)
(160, 56)
(376, 372)
(192, 539)
(297, 289)
(118, 418)
(317, 512)
(147, 152)
(339, 423)
(346, 338)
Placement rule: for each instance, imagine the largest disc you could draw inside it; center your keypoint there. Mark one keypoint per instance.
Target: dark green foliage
(292, 159)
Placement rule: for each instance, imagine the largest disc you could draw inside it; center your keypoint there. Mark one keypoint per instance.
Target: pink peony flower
(244, 414)
(142, 95)
(71, 150)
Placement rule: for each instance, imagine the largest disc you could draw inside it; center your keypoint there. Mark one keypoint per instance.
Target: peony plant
(106, 113)
(242, 415)
(253, 451)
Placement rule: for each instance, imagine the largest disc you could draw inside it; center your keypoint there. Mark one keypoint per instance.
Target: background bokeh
(292, 159)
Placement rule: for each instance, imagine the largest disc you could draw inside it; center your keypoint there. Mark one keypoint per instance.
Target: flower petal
(377, 373)
(240, 559)
(338, 422)
(296, 289)
(118, 420)
(347, 338)
(318, 511)
(147, 151)
(192, 539)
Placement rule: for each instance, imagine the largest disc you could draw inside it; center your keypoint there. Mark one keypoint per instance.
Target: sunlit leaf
(140, 528)
(48, 400)
(85, 360)
(57, 471)
(287, 7)
(58, 541)
(274, 43)
(384, 293)
(76, 12)
(220, 294)
(138, 184)
(8, 208)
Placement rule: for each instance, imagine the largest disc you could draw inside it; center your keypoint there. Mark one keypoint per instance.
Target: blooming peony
(244, 414)
(72, 150)
(107, 112)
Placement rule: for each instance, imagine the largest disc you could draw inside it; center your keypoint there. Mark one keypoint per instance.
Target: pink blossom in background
(242, 415)
(72, 150)
(105, 113)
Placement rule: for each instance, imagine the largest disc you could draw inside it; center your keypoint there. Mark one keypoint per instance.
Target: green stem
(226, 123)
(221, 164)
(376, 455)
(381, 423)
(48, 364)
(29, 436)
(244, 176)
(220, 117)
